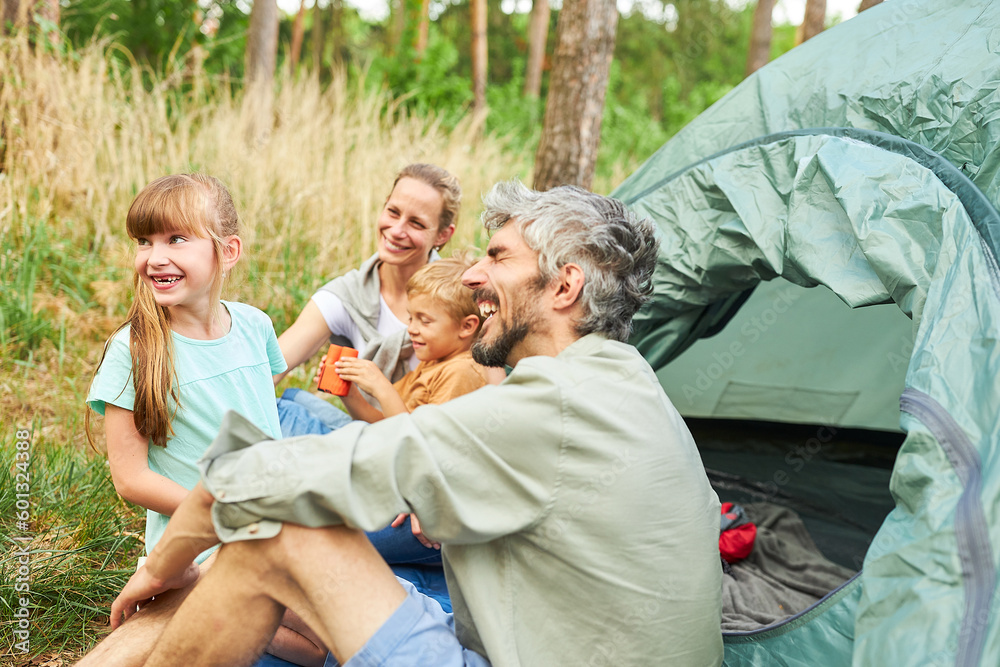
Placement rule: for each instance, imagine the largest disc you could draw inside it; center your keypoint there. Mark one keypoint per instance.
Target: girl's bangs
(179, 207)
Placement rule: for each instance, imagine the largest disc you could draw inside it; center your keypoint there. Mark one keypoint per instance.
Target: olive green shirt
(578, 524)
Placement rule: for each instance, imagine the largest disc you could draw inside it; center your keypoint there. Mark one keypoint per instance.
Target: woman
(366, 308)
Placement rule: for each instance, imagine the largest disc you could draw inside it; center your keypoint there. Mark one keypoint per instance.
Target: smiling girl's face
(178, 267)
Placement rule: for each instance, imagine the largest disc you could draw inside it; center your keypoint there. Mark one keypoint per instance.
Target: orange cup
(329, 381)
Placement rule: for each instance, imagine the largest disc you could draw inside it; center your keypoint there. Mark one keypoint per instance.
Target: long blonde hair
(196, 204)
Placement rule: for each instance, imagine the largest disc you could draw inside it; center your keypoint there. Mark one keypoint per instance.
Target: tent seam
(992, 267)
(794, 621)
(981, 212)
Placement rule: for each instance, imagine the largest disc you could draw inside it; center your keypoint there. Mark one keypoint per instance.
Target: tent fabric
(780, 358)
(821, 635)
(864, 162)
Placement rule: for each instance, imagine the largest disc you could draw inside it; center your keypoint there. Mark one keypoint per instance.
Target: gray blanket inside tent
(784, 574)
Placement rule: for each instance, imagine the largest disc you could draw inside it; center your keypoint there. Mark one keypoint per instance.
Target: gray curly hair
(616, 249)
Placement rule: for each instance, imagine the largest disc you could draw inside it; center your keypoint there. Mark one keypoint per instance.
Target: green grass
(83, 539)
(83, 545)
(21, 330)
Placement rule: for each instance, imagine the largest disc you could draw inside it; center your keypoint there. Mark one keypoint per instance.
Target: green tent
(829, 258)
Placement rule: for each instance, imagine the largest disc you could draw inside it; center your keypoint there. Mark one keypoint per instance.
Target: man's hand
(415, 528)
(143, 587)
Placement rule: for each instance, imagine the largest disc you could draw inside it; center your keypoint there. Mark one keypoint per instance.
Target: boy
(444, 320)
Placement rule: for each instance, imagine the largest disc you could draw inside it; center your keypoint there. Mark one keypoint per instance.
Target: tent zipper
(971, 528)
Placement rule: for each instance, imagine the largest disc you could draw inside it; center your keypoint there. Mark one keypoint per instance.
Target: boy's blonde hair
(442, 281)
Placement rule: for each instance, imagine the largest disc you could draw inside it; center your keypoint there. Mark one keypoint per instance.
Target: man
(577, 521)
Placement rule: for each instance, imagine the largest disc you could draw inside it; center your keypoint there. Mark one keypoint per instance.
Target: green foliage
(687, 59)
(34, 259)
(782, 40)
(426, 85)
(161, 33)
(629, 132)
(513, 116)
(672, 60)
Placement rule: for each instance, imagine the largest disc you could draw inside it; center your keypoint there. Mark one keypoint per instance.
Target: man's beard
(495, 354)
(522, 321)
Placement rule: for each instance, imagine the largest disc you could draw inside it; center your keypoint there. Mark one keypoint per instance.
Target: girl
(183, 357)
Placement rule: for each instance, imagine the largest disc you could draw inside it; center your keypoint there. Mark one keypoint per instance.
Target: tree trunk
(478, 16)
(538, 35)
(337, 31)
(14, 15)
(298, 34)
(760, 37)
(318, 37)
(262, 56)
(813, 22)
(262, 43)
(868, 4)
(398, 24)
(423, 29)
(571, 133)
(17, 14)
(409, 23)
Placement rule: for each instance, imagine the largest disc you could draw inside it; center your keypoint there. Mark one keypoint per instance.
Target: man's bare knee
(270, 555)
(294, 543)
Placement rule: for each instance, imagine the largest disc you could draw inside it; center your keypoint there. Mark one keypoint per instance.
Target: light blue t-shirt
(213, 376)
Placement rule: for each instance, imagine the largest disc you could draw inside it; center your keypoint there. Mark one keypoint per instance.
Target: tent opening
(817, 495)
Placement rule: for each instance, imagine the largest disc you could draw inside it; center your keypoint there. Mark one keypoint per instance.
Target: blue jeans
(398, 546)
(301, 413)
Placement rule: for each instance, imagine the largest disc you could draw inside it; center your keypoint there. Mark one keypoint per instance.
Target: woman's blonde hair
(441, 180)
(195, 204)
